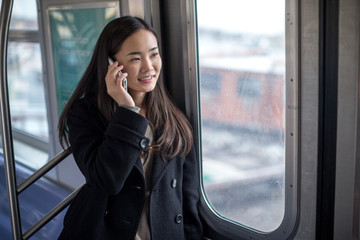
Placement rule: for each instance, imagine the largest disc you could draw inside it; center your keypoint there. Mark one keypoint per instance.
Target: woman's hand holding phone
(114, 80)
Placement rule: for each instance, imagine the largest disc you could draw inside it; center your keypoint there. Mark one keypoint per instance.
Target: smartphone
(111, 62)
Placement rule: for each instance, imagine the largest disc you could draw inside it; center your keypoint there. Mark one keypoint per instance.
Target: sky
(242, 16)
(24, 8)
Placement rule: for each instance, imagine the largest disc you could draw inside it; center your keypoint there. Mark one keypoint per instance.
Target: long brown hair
(173, 130)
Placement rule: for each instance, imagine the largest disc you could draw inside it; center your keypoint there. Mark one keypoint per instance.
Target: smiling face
(141, 59)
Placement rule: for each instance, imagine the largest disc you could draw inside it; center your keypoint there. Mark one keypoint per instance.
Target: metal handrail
(10, 171)
(43, 170)
(61, 206)
(6, 9)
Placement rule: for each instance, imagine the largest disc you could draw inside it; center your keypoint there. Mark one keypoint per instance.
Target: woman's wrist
(132, 108)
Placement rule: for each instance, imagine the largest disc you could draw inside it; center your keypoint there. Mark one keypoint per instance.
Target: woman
(134, 148)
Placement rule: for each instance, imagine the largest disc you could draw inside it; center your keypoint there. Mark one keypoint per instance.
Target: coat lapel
(158, 170)
(159, 166)
(139, 166)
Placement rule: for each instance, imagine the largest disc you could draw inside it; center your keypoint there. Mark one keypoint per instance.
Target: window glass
(24, 15)
(26, 89)
(242, 70)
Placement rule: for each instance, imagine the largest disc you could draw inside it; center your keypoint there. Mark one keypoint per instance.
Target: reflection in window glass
(24, 15)
(242, 71)
(26, 89)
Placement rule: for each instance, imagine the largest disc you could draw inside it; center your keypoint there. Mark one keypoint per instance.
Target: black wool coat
(109, 205)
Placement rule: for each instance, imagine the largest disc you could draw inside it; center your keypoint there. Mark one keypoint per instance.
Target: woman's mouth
(146, 79)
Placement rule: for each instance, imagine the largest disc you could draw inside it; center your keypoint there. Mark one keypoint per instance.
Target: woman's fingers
(114, 84)
(112, 76)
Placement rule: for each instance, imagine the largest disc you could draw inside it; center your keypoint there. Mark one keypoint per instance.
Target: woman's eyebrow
(152, 49)
(139, 53)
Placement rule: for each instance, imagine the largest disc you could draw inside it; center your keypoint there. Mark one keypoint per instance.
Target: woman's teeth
(145, 78)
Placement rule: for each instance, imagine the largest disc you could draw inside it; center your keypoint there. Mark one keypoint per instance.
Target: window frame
(221, 227)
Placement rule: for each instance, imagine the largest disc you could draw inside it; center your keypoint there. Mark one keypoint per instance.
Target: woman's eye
(154, 54)
(135, 59)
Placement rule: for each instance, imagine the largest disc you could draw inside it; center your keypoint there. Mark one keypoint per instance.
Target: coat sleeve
(106, 154)
(191, 197)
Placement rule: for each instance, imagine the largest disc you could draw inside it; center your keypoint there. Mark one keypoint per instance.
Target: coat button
(173, 183)
(179, 218)
(143, 143)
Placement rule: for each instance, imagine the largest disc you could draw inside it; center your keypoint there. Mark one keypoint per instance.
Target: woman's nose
(146, 65)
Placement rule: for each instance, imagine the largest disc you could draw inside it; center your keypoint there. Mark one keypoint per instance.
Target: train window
(26, 89)
(210, 83)
(24, 15)
(241, 50)
(27, 103)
